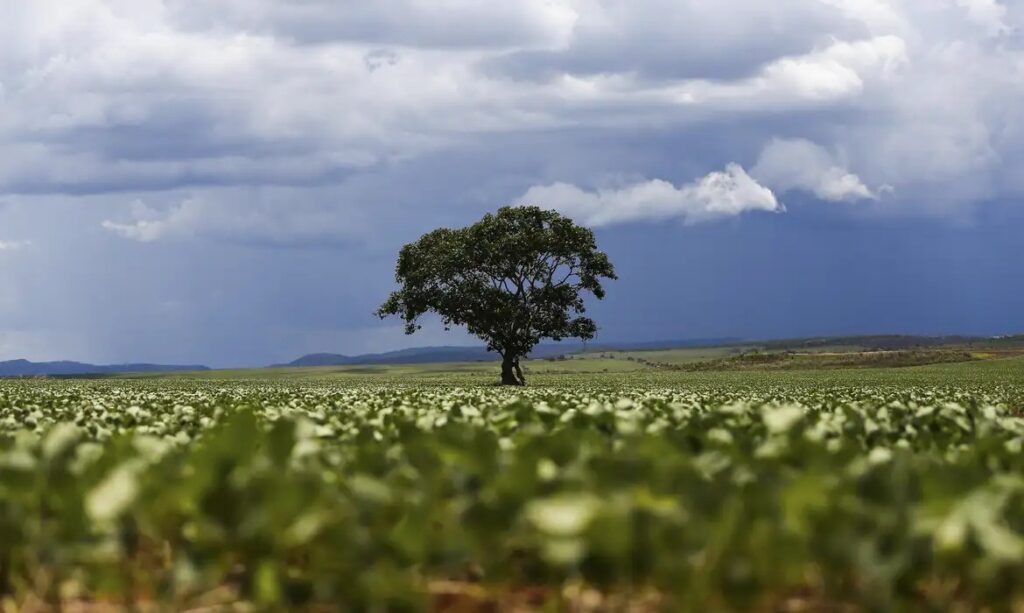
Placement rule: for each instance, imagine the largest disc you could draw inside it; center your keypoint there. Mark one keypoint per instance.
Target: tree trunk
(509, 368)
(519, 373)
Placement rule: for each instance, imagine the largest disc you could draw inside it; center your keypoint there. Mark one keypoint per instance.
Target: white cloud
(800, 164)
(717, 195)
(838, 72)
(427, 23)
(267, 222)
(876, 14)
(7, 245)
(273, 223)
(989, 14)
(105, 96)
(148, 225)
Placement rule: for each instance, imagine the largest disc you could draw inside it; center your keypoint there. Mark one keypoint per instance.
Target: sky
(228, 183)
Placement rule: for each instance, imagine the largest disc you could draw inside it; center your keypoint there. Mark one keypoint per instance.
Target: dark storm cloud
(124, 96)
(402, 22)
(683, 40)
(229, 182)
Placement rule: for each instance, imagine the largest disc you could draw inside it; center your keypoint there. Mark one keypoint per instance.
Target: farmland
(604, 485)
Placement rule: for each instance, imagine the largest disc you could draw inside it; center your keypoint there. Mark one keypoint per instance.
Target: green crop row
(717, 497)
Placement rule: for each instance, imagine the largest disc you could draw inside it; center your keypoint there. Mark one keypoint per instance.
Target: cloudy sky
(229, 182)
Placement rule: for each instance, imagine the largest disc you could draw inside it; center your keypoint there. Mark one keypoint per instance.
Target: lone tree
(513, 278)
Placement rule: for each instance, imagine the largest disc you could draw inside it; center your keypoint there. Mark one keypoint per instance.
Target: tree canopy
(513, 278)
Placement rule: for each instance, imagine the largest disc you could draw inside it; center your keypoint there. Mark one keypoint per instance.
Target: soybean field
(879, 489)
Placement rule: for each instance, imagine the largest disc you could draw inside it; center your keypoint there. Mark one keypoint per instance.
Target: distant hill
(419, 355)
(448, 354)
(24, 368)
(427, 355)
(877, 342)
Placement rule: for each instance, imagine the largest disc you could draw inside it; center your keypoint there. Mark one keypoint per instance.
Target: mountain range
(24, 368)
(444, 354)
(426, 355)
(423, 355)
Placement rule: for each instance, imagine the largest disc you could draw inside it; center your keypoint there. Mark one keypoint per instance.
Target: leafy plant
(720, 494)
